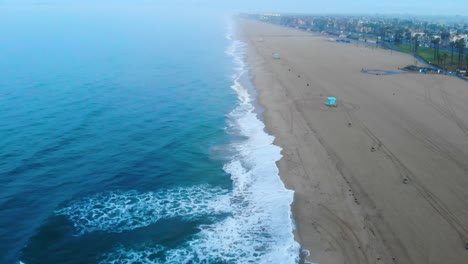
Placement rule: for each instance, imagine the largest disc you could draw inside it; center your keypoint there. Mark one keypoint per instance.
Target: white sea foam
(120, 211)
(259, 228)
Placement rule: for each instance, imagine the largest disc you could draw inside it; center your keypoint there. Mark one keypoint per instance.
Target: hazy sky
(459, 7)
(431, 7)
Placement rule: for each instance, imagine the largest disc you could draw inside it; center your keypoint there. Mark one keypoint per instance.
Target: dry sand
(347, 164)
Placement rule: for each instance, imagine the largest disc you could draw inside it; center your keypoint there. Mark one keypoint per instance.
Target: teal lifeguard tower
(276, 56)
(331, 101)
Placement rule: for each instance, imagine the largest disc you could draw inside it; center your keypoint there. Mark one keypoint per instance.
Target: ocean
(131, 135)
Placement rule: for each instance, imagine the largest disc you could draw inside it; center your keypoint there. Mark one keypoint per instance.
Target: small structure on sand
(276, 56)
(343, 40)
(425, 70)
(331, 101)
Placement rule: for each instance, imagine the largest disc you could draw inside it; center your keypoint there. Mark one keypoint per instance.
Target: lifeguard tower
(331, 101)
(276, 56)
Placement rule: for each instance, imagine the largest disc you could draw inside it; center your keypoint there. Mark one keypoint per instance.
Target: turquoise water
(127, 137)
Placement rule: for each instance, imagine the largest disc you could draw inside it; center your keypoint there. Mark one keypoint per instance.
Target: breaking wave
(258, 227)
(121, 211)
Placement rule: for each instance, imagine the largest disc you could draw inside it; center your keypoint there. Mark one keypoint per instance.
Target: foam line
(121, 211)
(260, 227)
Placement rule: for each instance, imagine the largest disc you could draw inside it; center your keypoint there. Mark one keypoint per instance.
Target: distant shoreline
(383, 45)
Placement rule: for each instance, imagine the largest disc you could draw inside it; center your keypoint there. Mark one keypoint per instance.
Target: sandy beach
(382, 177)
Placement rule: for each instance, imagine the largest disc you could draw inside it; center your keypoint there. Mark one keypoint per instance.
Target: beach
(383, 176)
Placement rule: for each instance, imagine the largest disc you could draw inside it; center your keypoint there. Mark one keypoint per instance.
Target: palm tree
(444, 58)
(435, 45)
(444, 36)
(398, 36)
(433, 42)
(461, 48)
(428, 35)
(408, 35)
(437, 49)
(416, 42)
(452, 46)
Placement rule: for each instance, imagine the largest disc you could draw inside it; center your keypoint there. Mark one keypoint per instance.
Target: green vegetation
(428, 55)
(404, 48)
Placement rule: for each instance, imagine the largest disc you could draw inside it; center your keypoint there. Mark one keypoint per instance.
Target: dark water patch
(55, 242)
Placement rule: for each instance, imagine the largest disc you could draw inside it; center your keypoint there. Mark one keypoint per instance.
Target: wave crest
(121, 211)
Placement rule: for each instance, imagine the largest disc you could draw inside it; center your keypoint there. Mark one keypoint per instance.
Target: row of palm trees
(458, 45)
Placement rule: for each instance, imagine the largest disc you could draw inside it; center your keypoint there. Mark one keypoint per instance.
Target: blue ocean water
(127, 136)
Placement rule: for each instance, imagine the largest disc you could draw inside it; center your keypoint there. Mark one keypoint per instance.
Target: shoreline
(248, 81)
(256, 179)
(349, 202)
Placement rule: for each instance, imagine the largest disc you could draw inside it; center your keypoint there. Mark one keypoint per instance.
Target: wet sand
(382, 177)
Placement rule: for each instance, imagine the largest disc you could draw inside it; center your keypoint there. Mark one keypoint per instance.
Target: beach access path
(382, 177)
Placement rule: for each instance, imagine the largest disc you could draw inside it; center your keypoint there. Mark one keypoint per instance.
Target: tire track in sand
(406, 173)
